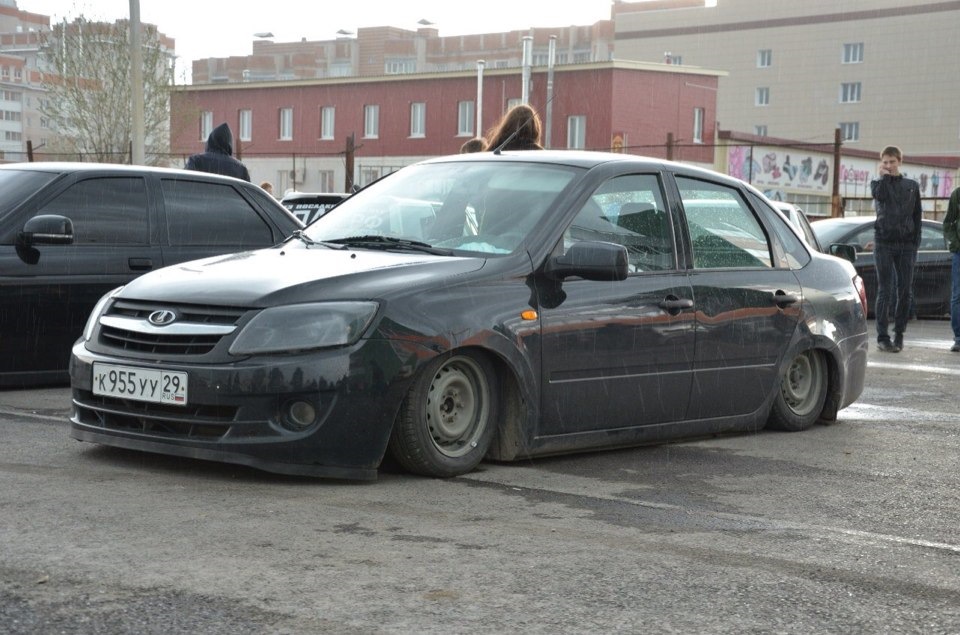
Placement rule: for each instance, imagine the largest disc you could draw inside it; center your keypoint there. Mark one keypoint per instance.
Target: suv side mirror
(46, 229)
(591, 260)
(847, 252)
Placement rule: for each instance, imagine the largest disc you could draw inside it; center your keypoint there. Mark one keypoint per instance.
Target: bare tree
(87, 81)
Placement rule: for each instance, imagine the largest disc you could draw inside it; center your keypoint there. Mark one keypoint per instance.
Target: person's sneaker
(955, 348)
(887, 346)
(898, 342)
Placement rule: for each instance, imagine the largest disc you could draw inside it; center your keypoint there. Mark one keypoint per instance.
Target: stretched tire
(803, 390)
(448, 419)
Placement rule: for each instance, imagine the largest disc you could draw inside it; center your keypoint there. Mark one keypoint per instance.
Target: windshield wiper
(374, 241)
(306, 240)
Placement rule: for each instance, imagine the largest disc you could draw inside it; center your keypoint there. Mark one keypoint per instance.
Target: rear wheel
(448, 419)
(803, 390)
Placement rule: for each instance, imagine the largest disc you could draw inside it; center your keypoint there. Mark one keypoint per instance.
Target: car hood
(291, 274)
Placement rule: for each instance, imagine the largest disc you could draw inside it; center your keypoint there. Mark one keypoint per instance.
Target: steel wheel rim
(801, 384)
(457, 406)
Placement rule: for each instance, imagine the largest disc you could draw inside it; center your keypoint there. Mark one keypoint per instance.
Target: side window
(724, 233)
(628, 210)
(110, 210)
(201, 213)
(931, 239)
(789, 249)
(863, 239)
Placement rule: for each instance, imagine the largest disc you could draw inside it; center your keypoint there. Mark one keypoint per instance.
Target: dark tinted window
(109, 210)
(17, 185)
(201, 213)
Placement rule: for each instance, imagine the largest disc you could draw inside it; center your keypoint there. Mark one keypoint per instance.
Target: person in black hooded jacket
(218, 157)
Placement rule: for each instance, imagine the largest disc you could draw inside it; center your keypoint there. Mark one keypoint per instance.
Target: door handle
(673, 305)
(140, 264)
(781, 298)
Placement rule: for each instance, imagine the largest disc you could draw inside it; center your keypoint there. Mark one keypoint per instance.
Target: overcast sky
(214, 28)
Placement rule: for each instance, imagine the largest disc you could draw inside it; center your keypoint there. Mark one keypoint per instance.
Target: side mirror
(847, 252)
(46, 229)
(591, 260)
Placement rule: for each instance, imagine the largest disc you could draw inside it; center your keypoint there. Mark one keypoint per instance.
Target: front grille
(161, 344)
(125, 331)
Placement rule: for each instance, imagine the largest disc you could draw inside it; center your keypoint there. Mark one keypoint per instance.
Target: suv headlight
(98, 308)
(299, 327)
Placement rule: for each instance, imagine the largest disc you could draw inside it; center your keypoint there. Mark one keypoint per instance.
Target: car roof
(63, 167)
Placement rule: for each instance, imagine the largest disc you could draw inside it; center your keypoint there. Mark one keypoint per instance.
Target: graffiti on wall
(780, 171)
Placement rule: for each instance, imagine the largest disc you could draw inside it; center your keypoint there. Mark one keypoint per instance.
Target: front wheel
(448, 419)
(803, 390)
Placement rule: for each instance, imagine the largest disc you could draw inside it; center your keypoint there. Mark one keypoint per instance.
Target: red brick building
(295, 133)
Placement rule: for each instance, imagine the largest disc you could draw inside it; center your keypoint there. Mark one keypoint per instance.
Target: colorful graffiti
(781, 171)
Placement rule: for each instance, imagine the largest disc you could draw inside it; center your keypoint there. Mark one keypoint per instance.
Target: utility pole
(137, 156)
(836, 209)
(348, 164)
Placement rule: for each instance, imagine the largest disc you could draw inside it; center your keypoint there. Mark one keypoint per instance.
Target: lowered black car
(70, 232)
(485, 305)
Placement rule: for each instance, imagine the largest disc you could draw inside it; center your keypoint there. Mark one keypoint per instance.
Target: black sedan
(931, 278)
(70, 232)
(482, 305)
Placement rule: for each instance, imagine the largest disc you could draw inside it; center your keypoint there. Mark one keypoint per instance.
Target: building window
(371, 121)
(576, 132)
(850, 130)
(206, 124)
(763, 96)
(849, 92)
(286, 124)
(246, 125)
(418, 119)
(327, 117)
(326, 181)
(399, 67)
(670, 58)
(465, 118)
(515, 101)
(698, 125)
(764, 58)
(760, 131)
(853, 53)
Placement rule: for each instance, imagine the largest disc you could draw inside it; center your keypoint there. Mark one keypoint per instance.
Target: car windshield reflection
(486, 207)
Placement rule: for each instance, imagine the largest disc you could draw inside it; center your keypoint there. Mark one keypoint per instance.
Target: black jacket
(899, 211)
(218, 157)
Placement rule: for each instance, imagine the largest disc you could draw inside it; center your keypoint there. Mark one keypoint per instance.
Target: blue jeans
(895, 265)
(955, 297)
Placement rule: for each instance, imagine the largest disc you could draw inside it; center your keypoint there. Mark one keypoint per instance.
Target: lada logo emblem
(162, 317)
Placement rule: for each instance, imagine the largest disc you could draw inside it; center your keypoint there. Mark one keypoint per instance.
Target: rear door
(45, 309)
(747, 306)
(619, 354)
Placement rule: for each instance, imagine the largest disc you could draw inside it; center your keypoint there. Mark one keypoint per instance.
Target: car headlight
(98, 308)
(304, 326)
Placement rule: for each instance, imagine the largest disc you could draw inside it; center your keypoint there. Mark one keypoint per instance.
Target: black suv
(71, 232)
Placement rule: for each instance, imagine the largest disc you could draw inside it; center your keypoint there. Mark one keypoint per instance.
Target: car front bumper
(238, 412)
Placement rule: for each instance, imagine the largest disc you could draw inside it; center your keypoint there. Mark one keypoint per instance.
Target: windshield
(475, 206)
(18, 185)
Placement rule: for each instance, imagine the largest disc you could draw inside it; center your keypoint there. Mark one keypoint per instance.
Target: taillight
(862, 290)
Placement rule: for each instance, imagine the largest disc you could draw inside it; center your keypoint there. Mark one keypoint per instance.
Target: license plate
(140, 384)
